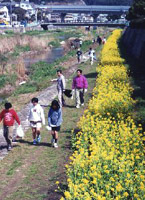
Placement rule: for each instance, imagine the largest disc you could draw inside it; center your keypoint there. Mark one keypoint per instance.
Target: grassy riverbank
(14, 47)
(41, 73)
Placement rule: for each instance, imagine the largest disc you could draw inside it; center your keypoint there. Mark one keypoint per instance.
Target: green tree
(137, 10)
(20, 13)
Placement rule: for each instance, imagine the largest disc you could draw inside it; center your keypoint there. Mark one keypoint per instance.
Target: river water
(48, 57)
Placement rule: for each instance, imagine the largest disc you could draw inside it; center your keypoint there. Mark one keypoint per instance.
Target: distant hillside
(108, 2)
(83, 2)
(60, 2)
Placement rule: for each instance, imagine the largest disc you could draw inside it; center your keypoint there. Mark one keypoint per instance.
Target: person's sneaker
(82, 104)
(55, 145)
(9, 147)
(34, 142)
(39, 139)
(17, 137)
(14, 141)
(77, 106)
(52, 142)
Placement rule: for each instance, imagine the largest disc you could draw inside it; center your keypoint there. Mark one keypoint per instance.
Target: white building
(4, 13)
(28, 7)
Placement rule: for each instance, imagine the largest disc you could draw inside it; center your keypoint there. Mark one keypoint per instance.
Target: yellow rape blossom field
(108, 160)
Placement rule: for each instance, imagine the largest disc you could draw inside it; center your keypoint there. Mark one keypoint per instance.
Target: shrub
(108, 161)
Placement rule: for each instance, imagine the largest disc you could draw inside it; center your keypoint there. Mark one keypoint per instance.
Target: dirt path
(30, 172)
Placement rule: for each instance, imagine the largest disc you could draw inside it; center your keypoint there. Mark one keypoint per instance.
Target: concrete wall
(134, 40)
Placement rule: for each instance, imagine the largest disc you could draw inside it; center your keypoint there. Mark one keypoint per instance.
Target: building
(4, 13)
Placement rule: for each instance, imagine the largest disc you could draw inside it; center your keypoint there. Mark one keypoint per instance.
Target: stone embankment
(134, 41)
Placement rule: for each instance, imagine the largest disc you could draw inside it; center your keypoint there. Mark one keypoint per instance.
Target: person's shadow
(3, 147)
(69, 106)
(91, 75)
(38, 144)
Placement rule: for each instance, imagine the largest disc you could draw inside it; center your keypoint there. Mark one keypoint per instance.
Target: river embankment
(134, 40)
(19, 52)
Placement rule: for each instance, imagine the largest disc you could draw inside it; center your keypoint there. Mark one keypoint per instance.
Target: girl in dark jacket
(54, 121)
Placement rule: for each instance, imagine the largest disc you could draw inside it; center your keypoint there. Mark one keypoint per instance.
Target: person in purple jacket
(79, 87)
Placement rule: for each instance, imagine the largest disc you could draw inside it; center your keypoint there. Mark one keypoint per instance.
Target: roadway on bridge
(85, 9)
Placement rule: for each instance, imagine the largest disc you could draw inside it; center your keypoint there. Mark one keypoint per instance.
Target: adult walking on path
(61, 87)
(99, 40)
(91, 55)
(54, 121)
(81, 42)
(36, 118)
(61, 83)
(79, 87)
(79, 54)
(104, 40)
(9, 116)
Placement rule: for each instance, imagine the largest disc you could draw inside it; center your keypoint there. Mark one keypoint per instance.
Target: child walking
(54, 121)
(8, 115)
(36, 118)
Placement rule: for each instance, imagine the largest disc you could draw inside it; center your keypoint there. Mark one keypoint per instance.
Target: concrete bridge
(109, 24)
(85, 9)
(92, 10)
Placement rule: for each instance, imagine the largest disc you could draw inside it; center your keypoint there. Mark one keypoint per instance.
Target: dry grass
(20, 67)
(35, 43)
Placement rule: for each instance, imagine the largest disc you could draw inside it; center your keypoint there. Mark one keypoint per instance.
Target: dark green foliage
(137, 10)
(20, 13)
(20, 49)
(41, 70)
(136, 14)
(3, 79)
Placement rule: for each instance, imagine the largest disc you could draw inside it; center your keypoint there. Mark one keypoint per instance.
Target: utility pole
(10, 12)
(36, 15)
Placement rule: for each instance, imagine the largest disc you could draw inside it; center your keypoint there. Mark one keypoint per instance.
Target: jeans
(8, 134)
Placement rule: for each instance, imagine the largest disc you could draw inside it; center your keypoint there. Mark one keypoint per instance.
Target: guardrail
(45, 25)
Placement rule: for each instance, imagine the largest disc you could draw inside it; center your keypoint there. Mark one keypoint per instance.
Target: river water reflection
(48, 57)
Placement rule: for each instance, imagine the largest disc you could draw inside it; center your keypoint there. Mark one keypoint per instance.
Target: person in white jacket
(36, 118)
(91, 55)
